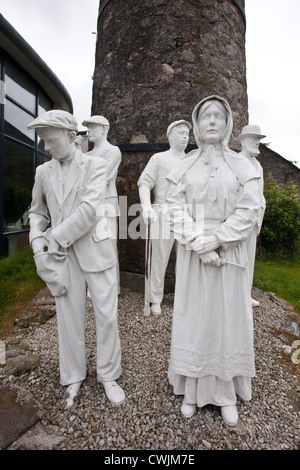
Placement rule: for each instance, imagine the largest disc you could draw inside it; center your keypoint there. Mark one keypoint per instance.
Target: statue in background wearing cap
(68, 191)
(250, 138)
(154, 178)
(97, 128)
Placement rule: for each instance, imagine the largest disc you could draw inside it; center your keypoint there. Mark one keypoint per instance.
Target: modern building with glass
(28, 89)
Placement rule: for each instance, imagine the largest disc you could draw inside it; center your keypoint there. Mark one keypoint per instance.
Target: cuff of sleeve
(63, 243)
(35, 238)
(217, 238)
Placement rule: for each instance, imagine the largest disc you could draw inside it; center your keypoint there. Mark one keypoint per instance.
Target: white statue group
(74, 246)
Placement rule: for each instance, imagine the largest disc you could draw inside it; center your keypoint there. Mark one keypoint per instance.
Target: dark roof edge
(268, 149)
(9, 31)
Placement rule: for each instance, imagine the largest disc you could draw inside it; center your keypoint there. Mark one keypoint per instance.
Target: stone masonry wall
(281, 169)
(156, 59)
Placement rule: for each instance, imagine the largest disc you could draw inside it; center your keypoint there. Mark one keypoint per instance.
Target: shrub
(281, 225)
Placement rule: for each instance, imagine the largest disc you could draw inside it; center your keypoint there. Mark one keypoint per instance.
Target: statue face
(212, 124)
(179, 137)
(58, 142)
(96, 133)
(251, 144)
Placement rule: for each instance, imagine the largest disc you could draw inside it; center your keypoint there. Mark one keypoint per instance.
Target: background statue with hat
(67, 193)
(97, 129)
(250, 138)
(154, 177)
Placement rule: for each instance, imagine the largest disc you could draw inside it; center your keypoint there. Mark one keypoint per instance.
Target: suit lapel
(56, 180)
(71, 177)
(55, 173)
(76, 168)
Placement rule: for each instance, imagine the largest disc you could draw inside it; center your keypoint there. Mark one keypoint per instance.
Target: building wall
(281, 169)
(20, 151)
(28, 89)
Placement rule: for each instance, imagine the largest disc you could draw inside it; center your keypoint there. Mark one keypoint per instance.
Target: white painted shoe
(187, 409)
(155, 309)
(230, 415)
(114, 392)
(72, 392)
(255, 303)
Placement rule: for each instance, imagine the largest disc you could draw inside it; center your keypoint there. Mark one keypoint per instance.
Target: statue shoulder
(241, 166)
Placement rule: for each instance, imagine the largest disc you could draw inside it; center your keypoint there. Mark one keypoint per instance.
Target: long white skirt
(212, 357)
(211, 390)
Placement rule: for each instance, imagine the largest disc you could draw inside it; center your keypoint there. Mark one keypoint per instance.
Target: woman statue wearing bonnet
(212, 357)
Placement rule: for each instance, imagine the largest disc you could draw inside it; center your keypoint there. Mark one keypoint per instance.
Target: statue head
(178, 134)
(58, 129)
(212, 121)
(250, 138)
(97, 128)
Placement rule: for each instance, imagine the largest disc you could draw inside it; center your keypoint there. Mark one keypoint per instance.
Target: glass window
(17, 187)
(20, 87)
(41, 147)
(16, 121)
(42, 158)
(45, 104)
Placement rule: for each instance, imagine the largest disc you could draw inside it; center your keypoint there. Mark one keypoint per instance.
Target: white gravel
(150, 418)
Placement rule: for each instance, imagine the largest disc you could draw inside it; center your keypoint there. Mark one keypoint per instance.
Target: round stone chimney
(155, 60)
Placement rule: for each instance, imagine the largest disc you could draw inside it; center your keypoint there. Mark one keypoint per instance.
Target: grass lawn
(280, 276)
(19, 283)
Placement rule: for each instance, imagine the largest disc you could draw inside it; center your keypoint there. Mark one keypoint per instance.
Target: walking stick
(147, 268)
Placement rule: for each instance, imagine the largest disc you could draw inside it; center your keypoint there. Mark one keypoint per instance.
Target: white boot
(187, 409)
(255, 303)
(114, 392)
(155, 309)
(230, 415)
(72, 391)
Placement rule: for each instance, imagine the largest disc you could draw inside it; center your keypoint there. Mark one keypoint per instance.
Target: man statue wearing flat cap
(250, 138)
(154, 177)
(97, 128)
(67, 193)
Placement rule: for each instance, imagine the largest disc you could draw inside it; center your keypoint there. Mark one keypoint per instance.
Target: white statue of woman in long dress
(212, 357)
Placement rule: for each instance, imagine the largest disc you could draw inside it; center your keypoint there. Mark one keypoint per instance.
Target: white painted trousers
(71, 309)
(161, 251)
(251, 253)
(113, 227)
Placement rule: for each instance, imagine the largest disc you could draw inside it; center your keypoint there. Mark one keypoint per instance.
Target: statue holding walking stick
(159, 242)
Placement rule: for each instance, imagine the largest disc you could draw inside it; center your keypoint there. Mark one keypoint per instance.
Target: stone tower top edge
(238, 3)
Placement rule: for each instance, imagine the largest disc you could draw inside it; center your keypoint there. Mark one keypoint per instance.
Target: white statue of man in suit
(250, 138)
(98, 127)
(68, 191)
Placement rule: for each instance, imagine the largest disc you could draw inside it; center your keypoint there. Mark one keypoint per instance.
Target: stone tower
(155, 60)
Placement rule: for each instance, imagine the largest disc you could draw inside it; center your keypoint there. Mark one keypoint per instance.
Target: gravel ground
(150, 419)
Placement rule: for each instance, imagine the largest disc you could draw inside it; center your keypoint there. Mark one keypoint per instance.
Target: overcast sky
(61, 32)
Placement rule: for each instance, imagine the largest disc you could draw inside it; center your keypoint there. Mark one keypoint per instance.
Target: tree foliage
(281, 226)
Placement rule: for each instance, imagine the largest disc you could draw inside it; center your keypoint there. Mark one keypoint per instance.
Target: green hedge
(281, 225)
